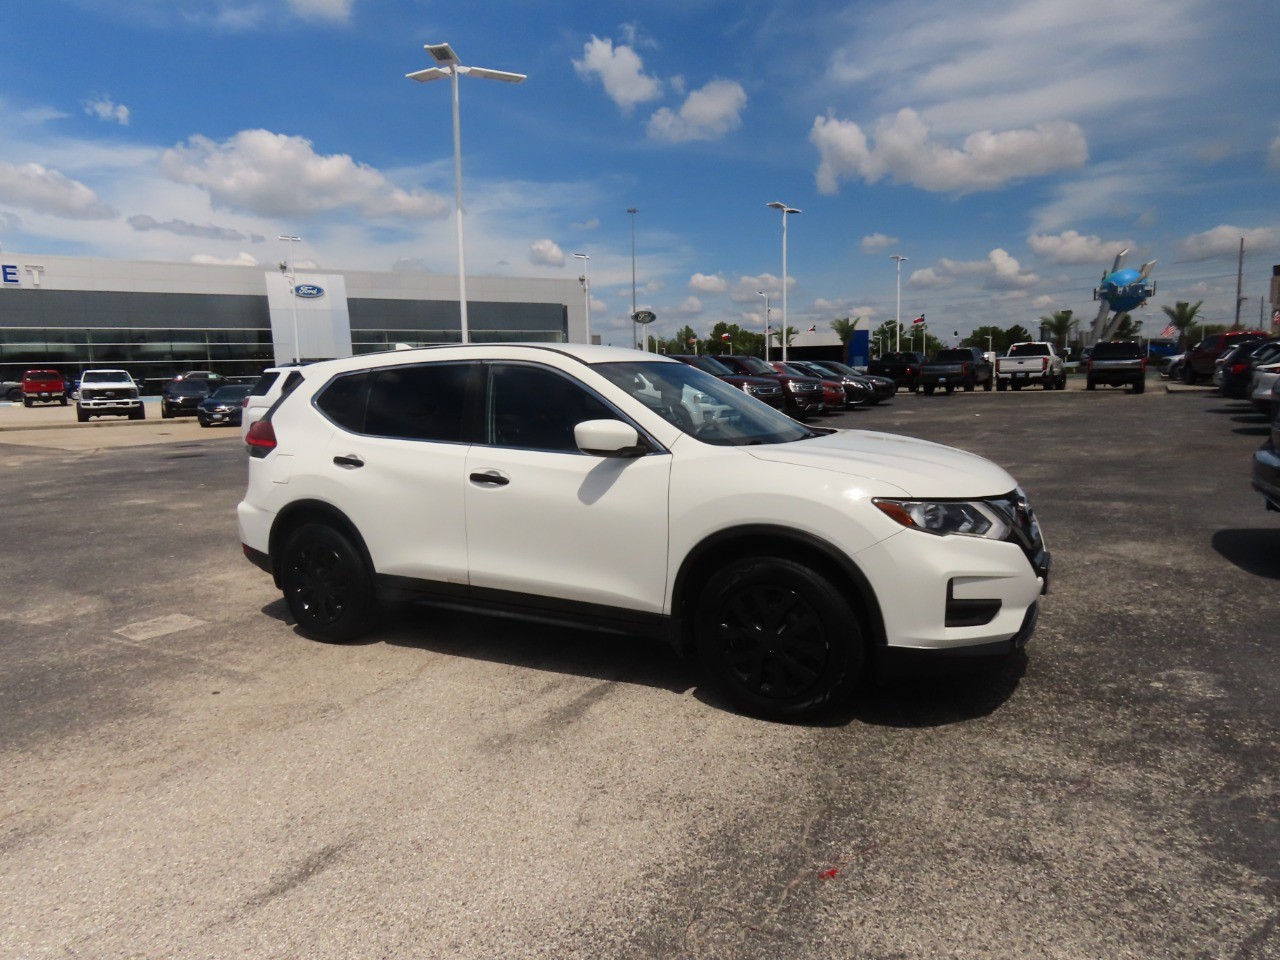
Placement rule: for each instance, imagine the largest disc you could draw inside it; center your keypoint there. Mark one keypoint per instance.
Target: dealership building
(158, 319)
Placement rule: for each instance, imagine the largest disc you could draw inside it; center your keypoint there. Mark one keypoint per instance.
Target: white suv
(637, 494)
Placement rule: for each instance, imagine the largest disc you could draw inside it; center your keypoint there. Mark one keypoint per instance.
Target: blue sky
(1008, 149)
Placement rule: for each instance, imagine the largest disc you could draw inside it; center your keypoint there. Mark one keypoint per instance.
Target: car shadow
(1253, 551)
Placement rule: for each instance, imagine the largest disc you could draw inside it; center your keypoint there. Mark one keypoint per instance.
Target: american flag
(1169, 333)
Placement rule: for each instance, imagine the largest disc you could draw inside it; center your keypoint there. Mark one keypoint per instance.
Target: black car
(858, 393)
(1240, 362)
(180, 398)
(224, 405)
(883, 387)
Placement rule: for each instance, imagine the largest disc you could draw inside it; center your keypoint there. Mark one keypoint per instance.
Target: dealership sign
(308, 291)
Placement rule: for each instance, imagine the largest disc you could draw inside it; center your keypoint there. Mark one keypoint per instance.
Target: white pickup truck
(1031, 362)
(108, 393)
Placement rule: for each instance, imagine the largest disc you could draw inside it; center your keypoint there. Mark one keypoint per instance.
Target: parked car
(224, 406)
(883, 388)
(857, 391)
(108, 392)
(274, 383)
(765, 389)
(1117, 363)
(1198, 362)
(541, 481)
(1234, 375)
(1264, 377)
(11, 390)
(43, 386)
(833, 394)
(902, 367)
(952, 367)
(802, 395)
(1266, 467)
(181, 398)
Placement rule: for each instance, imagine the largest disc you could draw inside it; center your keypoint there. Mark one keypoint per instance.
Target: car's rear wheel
(928, 390)
(1188, 375)
(777, 639)
(986, 386)
(327, 584)
(1090, 384)
(1140, 387)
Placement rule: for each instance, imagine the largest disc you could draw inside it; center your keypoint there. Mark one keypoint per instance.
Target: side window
(418, 403)
(343, 401)
(537, 409)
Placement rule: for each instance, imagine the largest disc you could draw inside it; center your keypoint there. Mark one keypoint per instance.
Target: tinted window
(418, 403)
(343, 401)
(1029, 350)
(232, 393)
(263, 386)
(537, 409)
(955, 355)
(1116, 351)
(187, 388)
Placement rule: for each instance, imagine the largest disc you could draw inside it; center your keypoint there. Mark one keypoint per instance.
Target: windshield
(699, 404)
(954, 355)
(711, 365)
(758, 367)
(233, 392)
(188, 388)
(900, 358)
(106, 376)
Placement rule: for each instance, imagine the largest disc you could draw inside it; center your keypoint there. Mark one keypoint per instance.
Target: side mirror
(608, 438)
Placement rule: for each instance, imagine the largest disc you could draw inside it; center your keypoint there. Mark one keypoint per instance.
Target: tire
(1090, 385)
(327, 584)
(777, 639)
(14, 395)
(950, 389)
(986, 386)
(82, 415)
(1188, 375)
(27, 402)
(1062, 382)
(138, 413)
(165, 414)
(203, 424)
(928, 390)
(970, 386)
(1140, 387)
(1002, 386)
(1015, 385)
(64, 401)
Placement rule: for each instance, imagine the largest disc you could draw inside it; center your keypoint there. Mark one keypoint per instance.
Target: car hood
(917, 468)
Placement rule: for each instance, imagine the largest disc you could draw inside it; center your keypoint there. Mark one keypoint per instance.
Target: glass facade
(157, 335)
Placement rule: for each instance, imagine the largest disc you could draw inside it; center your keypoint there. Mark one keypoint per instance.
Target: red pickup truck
(43, 386)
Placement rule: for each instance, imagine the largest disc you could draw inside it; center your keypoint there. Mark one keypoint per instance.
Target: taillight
(1238, 368)
(1044, 364)
(261, 438)
(244, 404)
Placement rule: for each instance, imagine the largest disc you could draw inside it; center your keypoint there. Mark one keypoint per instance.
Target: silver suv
(636, 494)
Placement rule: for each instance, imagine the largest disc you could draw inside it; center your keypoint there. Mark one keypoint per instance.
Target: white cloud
(1072, 247)
(273, 174)
(999, 271)
(184, 229)
(707, 114)
(688, 306)
(591, 224)
(1273, 154)
(105, 109)
(38, 188)
(336, 10)
(243, 260)
(876, 242)
(707, 283)
(929, 277)
(902, 152)
(620, 70)
(1224, 241)
(747, 289)
(1040, 303)
(546, 253)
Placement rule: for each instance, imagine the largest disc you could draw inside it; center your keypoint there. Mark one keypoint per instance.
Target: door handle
(350, 461)
(490, 478)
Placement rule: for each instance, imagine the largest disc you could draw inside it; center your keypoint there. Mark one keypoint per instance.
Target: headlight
(966, 518)
(750, 388)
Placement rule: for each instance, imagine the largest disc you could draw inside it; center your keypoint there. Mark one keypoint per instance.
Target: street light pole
(293, 297)
(897, 322)
(586, 289)
(766, 323)
(632, 211)
(785, 210)
(450, 66)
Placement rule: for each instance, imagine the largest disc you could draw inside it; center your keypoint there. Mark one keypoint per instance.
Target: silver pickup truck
(1028, 363)
(108, 393)
(1118, 363)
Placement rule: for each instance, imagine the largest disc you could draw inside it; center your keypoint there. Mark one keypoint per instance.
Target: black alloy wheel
(327, 584)
(777, 639)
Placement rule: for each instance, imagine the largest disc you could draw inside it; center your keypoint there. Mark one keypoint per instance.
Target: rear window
(954, 355)
(1029, 350)
(264, 384)
(1116, 351)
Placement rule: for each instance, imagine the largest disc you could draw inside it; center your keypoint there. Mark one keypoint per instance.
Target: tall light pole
(586, 289)
(293, 297)
(766, 323)
(451, 66)
(785, 210)
(632, 211)
(897, 322)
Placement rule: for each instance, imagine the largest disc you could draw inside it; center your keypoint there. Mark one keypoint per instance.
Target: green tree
(792, 333)
(1182, 315)
(844, 327)
(1059, 325)
(1016, 334)
(987, 338)
(1126, 327)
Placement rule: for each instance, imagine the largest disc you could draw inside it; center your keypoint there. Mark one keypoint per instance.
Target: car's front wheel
(777, 639)
(327, 584)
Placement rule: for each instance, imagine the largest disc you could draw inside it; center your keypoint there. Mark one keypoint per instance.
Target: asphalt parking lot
(187, 777)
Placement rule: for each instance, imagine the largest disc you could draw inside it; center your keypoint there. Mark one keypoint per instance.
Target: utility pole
(1239, 282)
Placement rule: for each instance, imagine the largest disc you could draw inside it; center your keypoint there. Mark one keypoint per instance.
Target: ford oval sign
(308, 291)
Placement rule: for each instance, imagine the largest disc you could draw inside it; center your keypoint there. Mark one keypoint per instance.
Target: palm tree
(1182, 315)
(844, 328)
(1059, 324)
